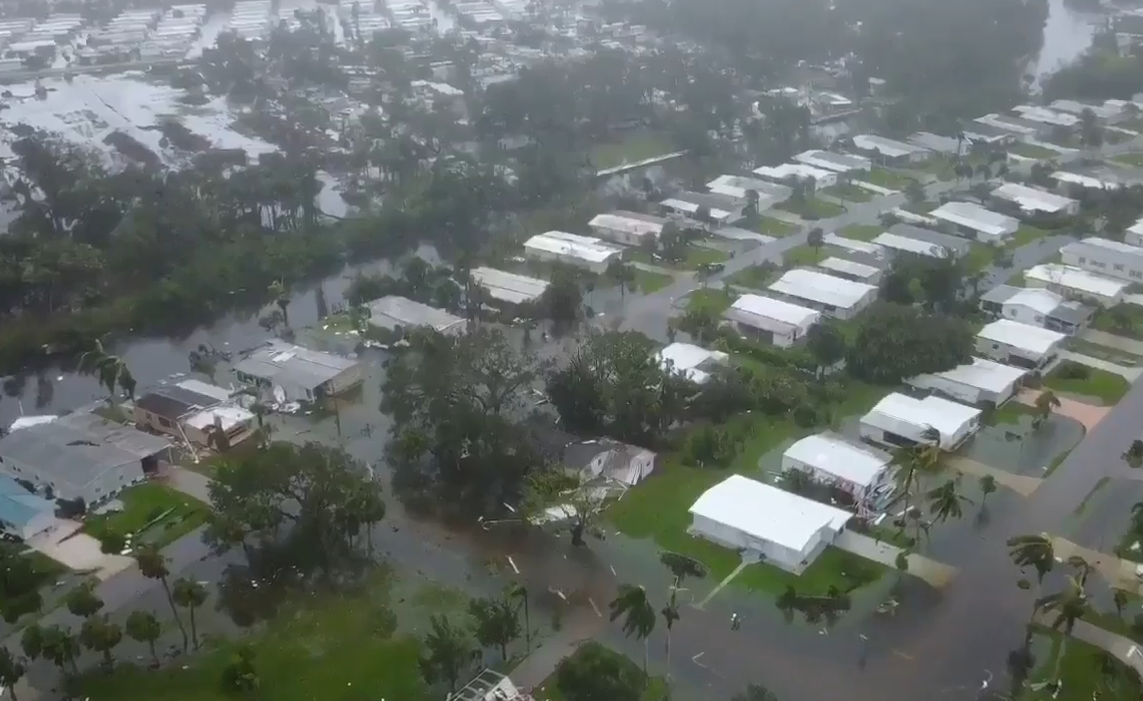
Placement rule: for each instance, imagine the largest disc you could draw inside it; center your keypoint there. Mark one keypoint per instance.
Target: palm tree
(1034, 551)
(1066, 607)
(638, 615)
(1044, 405)
(281, 294)
(12, 670)
(912, 463)
(108, 369)
(190, 595)
(519, 593)
(671, 614)
(682, 566)
(153, 565)
(143, 627)
(99, 634)
(61, 648)
(945, 501)
(1119, 597)
(987, 486)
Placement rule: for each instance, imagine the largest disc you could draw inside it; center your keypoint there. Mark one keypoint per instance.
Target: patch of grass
(114, 413)
(1130, 159)
(862, 232)
(710, 300)
(330, 649)
(634, 147)
(886, 178)
(1122, 320)
(549, 689)
(1072, 378)
(769, 226)
(694, 257)
(1080, 674)
(803, 256)
(1024, 236)
(649, 282)
(848, 192)
(1010, 414)
(1031, 151)
(812, 208)
(45, 570)
(152, 513)
(833, 568)
(756, 277)
(1120, 624)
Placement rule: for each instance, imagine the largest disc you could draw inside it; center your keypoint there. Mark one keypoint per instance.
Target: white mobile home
(581, 251)
(834, 296)
(901, 420)
(720, 209)
(1022, 345)
(1036, 306)
(787, 172)
(628, 228)
(836, 162)
(848, 246)
(783, 323)
(1105, 257)
(1032, 201)
(979, 381)
(693, 362)
(739, 187)
(1134, 234)
(770, 524)
(298, 374)
(976, 222)
(509, 287)
(890, 150)
(860, 470)
(851, 270)
(1075, 283)
(394, 313)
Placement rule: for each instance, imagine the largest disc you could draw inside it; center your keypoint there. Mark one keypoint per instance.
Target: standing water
(1067, 35)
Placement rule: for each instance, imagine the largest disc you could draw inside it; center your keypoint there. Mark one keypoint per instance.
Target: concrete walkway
(1087, 414)
(937, 574)
(1022, 484)
(1111, 340)
(188, 482)
(726, 580)
(1129, 374)
(1119, 573)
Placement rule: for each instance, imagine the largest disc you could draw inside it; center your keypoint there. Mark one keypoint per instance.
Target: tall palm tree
(913, 463)
(190, 595)
(143, 627)
(1065, 607)
(638, 615)
(945, 501)
(108, 369)
(671, 615)
(153, 565)
(1044, 405)
(1033, 551)
(518, 592)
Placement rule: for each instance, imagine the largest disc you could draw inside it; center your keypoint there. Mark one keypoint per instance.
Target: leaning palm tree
(913, 463)
(945, 501)
(1066, 607)
(108, 369)
(671, 615)
(1044, 405)
(638, 615)
(153, 565)
(1033, 551)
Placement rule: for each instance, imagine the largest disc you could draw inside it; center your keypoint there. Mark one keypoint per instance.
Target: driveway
(78, 551)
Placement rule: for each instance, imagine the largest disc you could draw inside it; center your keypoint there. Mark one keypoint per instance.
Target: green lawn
(152, 513)
(803, 256)
(635, 147)
(714, 301)
(812, 208)
(1121, 320)
(1080, 674)
(1024, 236)
(45, 570)
(649, 282)
(848, 193)
(1031, 151)
(549, 689)
(769, 226)
(1130, 159)
(1120, 624)
(341, 649)
(1072, 378)
(756, 277)
(862, 232)
(1010, 414)
(695, 257)
(886, 178)
(979, 257)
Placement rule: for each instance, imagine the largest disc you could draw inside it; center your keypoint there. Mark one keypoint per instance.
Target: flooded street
(1067, 34)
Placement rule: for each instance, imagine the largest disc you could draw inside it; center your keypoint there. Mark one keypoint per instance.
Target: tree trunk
(646, 660)
(108, 661)
(194, 628)
(668, 653)
(12, 691)
(503, 652)
(527, 627)
(154, 654)
(175, 612)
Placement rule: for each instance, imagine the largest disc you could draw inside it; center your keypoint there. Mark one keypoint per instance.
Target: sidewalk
(936, 574)
(1110, 340)
(1118, 572)
(1125, 650)
(1023, 484)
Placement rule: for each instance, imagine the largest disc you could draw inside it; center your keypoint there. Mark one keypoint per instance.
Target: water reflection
(1067, 34)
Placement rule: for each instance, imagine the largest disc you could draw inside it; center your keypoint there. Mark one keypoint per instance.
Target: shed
(974, 383)
(901, 420)
(770, 524)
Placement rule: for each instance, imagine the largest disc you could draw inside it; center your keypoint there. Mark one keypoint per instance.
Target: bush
(112, 543)
(1073, 371)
